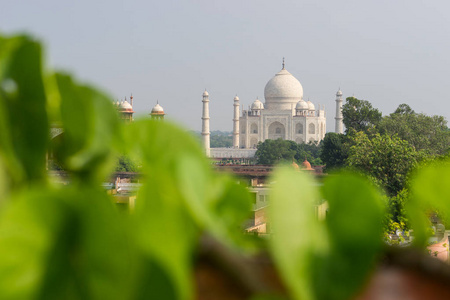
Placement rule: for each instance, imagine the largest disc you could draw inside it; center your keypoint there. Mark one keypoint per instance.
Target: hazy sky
(386, 51)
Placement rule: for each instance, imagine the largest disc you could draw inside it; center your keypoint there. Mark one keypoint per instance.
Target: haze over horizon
(387, 52)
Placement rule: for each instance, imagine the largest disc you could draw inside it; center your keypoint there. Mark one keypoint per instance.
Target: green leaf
(298, 239)
(63, 244)
(91, 130)
(355, 227)
(217, 203)
(429, 191)
(165, 230)
(23, 117)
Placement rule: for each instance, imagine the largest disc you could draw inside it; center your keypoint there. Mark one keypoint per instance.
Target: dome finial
(283, 63)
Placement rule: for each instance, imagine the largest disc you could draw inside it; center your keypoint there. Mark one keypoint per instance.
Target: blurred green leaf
(218, 203)
(298, 237)
(64, 244)
(355, 227)
(91, 129)
(23, 118)
(429, 191)
(164, 229)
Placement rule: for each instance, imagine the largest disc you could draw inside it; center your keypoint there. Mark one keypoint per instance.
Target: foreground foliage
(70, 242)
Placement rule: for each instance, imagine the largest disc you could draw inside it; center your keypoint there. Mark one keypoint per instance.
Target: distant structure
(236, 123)
(125, 109)
(205, 123)
(339, 126)
(157, 112)
(284, 115)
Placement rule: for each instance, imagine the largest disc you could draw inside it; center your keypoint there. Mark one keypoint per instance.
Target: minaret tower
(205, 122)
(236, 123)
(339, 128)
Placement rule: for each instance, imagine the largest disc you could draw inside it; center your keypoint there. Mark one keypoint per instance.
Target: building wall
(267, 123)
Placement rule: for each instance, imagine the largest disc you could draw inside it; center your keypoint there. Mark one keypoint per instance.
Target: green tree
(359, 115)
(396, 207)
(334, 150)
(221, 139)
(429, 133)
(125, 164)
(274, 151)
(387, 160)
(310, 151)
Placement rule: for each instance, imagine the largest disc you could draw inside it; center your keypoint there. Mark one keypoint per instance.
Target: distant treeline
(219, 139)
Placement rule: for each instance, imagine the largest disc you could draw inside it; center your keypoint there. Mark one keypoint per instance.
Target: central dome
(282, 91)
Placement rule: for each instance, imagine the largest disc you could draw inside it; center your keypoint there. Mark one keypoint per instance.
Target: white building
(285, 114)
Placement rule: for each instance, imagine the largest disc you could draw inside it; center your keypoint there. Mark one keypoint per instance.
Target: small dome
(257, 104)
(302, 105)
(236, 98)
(124, 105)
(157, 109)
(295, 166)
(339, 93)
(205, 93)
(311, 105)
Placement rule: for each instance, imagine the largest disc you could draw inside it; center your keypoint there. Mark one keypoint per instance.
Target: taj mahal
(284, 114)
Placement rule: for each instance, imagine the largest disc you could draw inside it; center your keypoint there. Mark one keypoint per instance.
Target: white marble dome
(257, 104)
(282, 91)
(124, 105)
(157, 109)
(205, 93)
(302, 105)
(339, 93)
(311, 105)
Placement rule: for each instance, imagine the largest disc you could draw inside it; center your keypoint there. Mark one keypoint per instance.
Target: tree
(273, 151)
(221, 139)
(429, 133)
(310, 151)
(125, 164)
(334, 150)
(387, 160)
(359, 115)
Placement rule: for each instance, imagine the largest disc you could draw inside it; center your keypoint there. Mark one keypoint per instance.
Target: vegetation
(276, 151)
(334, 152)
(71, 242)
(218, 139)
(386, 160)
(386, 149)
(427, 133)
(125, 164)
(359, 115)
(221, 139)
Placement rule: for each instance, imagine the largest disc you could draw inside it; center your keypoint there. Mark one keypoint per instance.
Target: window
(254, 128)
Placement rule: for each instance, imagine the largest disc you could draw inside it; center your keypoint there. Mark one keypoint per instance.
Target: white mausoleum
(285, 114)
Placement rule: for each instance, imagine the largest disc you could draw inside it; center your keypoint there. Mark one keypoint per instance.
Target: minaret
(339, 128)
(236, 123)
(205, 122)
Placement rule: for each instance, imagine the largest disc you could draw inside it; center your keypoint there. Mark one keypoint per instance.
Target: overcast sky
(386, 51)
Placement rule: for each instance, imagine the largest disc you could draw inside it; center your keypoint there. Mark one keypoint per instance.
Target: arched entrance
(277, 131)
